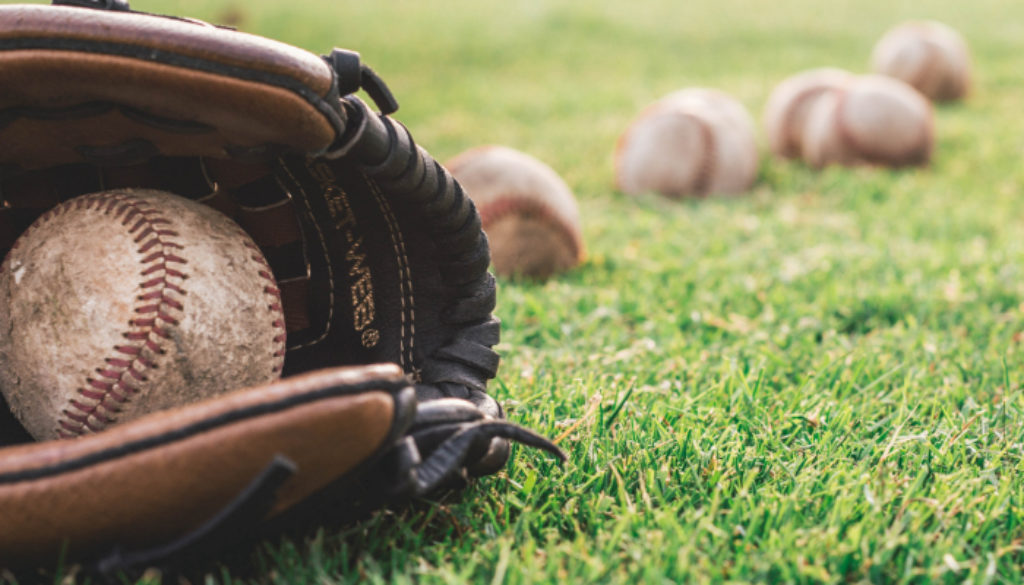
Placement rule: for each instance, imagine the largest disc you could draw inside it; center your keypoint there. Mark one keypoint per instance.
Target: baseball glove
(378, 255)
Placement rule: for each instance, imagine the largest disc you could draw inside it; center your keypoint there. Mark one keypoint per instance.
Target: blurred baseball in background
(928, 55)
(871, 120)
(529, 214)
(786, 112)
(693, 142)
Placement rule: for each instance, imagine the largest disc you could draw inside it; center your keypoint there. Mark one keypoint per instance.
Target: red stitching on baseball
(75, 418)
(167, 318)
(105, 374)
(90, 394)
(104, 386)
(128, 349)
(98, 399)
(271, 290)
(102, 397)
(167, 270)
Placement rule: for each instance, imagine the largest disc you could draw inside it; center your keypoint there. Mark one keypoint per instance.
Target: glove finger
(498, 450)
(485, 458)
(493, 459)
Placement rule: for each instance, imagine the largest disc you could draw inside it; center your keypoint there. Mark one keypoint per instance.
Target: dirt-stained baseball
(929, 55)
(873, 120)
(529, 214)
(125, 302)
(692, 142)
(789, 103)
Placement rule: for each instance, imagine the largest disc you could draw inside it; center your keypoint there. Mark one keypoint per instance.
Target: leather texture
(174, 86)
(165, 38)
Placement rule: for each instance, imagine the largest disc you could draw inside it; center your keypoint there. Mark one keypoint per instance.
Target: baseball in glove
(378, 256)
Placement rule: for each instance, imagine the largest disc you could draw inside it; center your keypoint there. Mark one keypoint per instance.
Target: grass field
(819, 382)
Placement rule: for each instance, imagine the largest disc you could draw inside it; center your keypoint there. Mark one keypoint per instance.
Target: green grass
(819, 382)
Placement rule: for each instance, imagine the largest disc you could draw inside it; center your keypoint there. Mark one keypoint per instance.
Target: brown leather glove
(378, 255)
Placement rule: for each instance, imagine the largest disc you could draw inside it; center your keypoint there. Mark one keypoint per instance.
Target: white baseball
(929, 55)
(125, 302)
(874, 120)
(528, 212)
(694, 141)
(786, 111)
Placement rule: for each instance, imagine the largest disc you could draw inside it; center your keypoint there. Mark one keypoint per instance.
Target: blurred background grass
(559, 78)
(816, 382)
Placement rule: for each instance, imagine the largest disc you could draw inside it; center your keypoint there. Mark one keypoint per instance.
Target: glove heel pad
(178, 468)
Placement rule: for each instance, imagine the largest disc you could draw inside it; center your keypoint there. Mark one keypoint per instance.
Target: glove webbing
(410, 177)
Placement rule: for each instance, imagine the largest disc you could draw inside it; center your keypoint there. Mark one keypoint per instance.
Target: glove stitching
(328, 258)
(406, 351)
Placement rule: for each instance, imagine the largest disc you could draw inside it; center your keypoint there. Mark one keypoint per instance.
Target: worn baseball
(125, 302)
(873, 120)
(692, 142)
(785, 113)
(929, 55)
(528, 212)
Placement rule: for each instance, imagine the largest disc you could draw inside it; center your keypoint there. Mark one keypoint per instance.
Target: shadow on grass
(321, 541)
